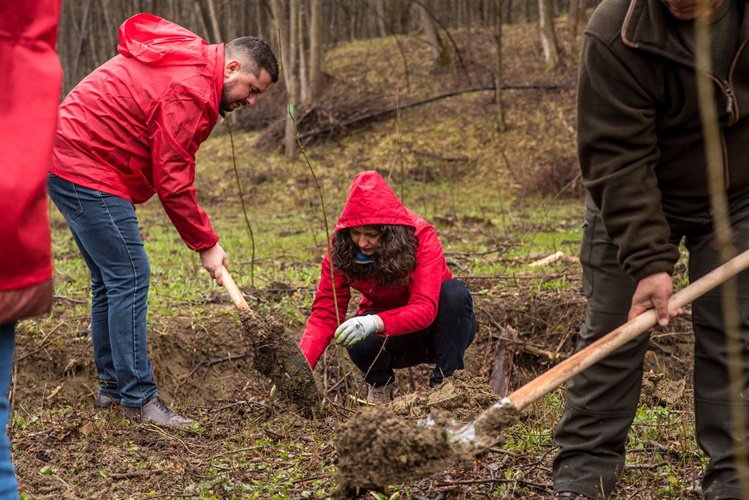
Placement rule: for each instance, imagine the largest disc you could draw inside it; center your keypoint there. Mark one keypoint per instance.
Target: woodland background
(301, 31)
(467, 108)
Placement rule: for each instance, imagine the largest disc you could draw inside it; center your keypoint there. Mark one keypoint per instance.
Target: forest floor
(500, 202)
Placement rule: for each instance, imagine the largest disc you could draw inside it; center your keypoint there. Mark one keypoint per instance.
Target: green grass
(488, 224)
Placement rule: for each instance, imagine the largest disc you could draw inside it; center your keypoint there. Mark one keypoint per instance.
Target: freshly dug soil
(490, 423)
(463, 395)
(377, 448)
(279, 358)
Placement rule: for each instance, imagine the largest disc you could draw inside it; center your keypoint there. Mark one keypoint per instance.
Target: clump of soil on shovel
(378, 447)
(278, 357)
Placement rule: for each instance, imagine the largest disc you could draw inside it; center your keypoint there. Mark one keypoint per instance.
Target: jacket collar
(649, 25)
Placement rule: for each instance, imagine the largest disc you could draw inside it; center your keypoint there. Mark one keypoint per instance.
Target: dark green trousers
(601, 402)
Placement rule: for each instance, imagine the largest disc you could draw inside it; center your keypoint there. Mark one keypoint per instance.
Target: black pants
(601, 401)
(442, 343)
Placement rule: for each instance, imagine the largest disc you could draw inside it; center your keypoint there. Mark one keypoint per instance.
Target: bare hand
(25, 302)
(214, 260)
(654, 292)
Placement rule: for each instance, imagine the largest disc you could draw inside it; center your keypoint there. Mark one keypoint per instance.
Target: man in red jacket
(128, 131)
(28, 33)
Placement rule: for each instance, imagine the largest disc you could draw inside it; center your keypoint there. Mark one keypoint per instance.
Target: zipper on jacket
(729, 98)
(724, 154)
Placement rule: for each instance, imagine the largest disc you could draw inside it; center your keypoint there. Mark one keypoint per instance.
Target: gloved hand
(355, 329)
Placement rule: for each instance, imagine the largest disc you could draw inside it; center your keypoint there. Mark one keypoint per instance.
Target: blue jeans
(443, 342)
(105, 229)
(8, 484)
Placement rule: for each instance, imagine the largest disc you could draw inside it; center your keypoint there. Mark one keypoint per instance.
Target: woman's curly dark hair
(393, 263)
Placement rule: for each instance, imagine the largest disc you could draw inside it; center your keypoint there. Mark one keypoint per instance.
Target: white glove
(353, 330)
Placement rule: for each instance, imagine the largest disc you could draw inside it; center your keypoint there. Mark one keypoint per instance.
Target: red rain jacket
(131, 128)
(403, 309)
(29, 96)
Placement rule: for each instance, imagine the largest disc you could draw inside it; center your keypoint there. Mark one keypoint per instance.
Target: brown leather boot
(380, 395)
(105, 401)
(156, 412)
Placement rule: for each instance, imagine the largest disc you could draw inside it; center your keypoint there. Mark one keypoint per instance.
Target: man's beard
(223, 109)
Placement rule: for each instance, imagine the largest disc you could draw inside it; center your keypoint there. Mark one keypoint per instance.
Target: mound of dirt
(658, 390)
(463, 396)
(194, 364)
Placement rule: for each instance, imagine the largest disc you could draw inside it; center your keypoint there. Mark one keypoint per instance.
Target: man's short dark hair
(257, 52)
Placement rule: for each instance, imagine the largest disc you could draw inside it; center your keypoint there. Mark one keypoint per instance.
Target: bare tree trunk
(258, 20)
(290, 145)
(573, 21)
(230, 19)
(381, 24)
(216, 38)
(198, 12)
(507, 14)
(440, 54)
(81, 37)
(303, 63)
(172, 9)
(111, 41)
(501, 125)
(548, 35)
(93, 36)
(315, 50)
(286, 24)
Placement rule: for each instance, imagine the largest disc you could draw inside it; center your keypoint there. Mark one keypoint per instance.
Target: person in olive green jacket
(642, 157)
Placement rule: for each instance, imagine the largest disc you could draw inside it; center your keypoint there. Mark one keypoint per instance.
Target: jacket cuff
(390, 325)
(204, 245)
(660, 266)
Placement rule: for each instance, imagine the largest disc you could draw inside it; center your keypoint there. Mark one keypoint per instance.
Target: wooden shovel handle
(234, 293)
(556, 376)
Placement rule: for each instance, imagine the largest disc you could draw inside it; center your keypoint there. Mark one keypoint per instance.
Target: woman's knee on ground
(455, 297)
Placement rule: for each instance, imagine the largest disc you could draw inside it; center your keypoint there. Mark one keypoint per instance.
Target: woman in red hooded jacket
(412, 310)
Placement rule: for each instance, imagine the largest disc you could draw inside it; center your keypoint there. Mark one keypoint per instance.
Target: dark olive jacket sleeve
(619, 155)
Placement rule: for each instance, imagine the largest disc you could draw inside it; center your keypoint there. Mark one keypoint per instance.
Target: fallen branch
(525, 346)
(41, 344)
(211, 362)
(234, 452)
(70, 299)
(552, 258)
(132, 474)
(312, 478)
(435, 156)
(384, 113)
(445, 484)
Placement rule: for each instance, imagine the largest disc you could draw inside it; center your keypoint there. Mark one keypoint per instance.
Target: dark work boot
(380, 395)
(105, 401)
(156, 412)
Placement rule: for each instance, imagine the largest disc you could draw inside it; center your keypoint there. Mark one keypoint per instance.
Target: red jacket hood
(371, 201)
(157, 42)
